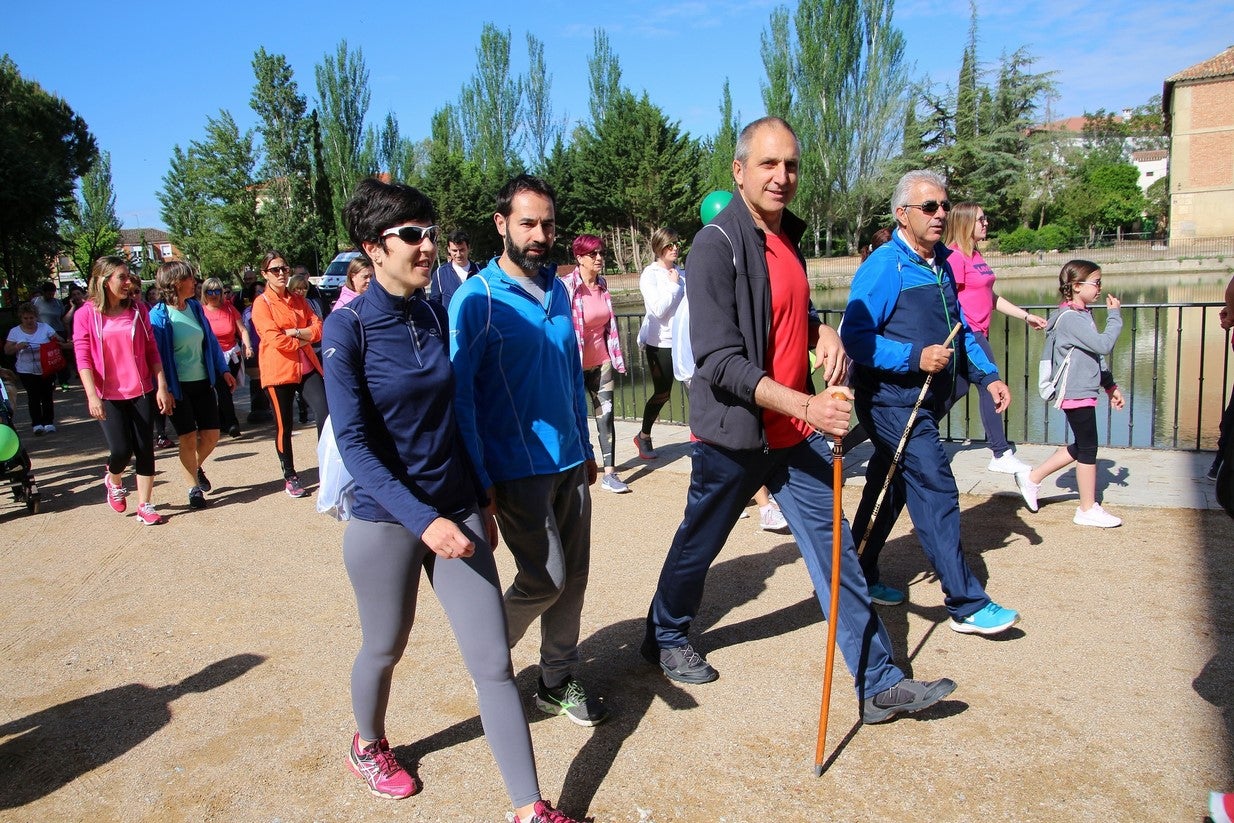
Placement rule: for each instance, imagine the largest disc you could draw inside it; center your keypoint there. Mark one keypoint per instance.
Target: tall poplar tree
(603, 76)
(542, 128)
(285, 211)
(490, 105)
(94, 229)
(343, 101)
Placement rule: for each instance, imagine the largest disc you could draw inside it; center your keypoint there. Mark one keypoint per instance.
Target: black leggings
(39, 395)
(282, 398)
(227, 406)
(129, 430)
(1083, 423)
(660, 366)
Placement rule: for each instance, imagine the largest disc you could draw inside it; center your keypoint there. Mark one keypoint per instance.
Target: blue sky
(146, 75)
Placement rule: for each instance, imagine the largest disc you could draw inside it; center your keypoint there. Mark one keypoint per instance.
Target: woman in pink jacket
(123, 377)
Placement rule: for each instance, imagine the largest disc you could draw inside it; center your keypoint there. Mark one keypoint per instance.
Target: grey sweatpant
(384, 561)
(546, 523)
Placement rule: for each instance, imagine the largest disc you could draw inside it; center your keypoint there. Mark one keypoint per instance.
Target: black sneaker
(571, 700)
(197, 499)
(905, 696)
(234, 431)
(164, 442)
(203, 482)
(682, 663)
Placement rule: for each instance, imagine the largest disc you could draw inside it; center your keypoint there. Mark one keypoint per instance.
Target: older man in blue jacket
(902, 305)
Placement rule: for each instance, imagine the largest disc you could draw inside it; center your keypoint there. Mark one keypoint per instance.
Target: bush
(1019, 239)
(1053, 236)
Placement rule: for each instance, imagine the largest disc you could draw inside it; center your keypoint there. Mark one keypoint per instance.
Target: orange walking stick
(837, 516)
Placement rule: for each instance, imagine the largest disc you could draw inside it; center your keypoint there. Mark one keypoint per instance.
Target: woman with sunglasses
(287, 328)
(663, 285)
(417, 498)
(227, 326)
(194, 364)
(966, 227)
(599, 345)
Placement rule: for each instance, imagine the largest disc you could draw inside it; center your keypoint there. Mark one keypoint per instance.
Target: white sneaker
(1096, 516)
(1028, 489)
(770, 519)
(38, 431)
(49, 429)
(612, 483)
(1007, 464)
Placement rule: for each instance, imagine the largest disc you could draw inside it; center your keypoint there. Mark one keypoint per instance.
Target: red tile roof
(1220, 66)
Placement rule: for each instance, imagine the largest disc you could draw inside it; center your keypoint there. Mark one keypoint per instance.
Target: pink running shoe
(545, 813)
(375, 764)
(148, 516)
(116, 494)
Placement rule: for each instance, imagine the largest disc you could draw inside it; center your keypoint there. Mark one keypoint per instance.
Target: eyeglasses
(1096, 283)
(930, 206)
(413, 234)
(279, 269)
(214, 292)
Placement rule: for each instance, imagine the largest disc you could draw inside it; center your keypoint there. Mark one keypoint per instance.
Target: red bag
(51, 358)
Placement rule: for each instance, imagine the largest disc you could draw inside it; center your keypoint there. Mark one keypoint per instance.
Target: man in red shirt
(757, 422)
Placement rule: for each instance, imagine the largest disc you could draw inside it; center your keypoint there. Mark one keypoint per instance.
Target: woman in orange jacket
(288, 328)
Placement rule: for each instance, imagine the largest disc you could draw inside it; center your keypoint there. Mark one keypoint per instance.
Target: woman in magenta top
(599, 345)
(966, 227)
(122, 374)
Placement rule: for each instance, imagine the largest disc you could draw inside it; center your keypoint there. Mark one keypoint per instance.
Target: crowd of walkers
(459, 398)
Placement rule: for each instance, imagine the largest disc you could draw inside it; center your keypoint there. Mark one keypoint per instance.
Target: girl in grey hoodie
(1076, 340)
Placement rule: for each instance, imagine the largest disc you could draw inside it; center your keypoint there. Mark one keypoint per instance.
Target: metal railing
(1172, 361)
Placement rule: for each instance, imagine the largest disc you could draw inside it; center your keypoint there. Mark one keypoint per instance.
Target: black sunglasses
(413, 234)
(930, 206)
(279, 269)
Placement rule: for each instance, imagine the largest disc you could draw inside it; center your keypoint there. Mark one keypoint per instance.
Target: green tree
(1104, 197)
(285, 207)
(326, 232)
(44, 147)
(209, 198)
(490, 105)
(603, 77)
(1157, 209)
(185, 212)
(542, 127)
(343, 101)
(722, 145)
(635, 173)
(458, 186)
(94, 229)
(778, 60)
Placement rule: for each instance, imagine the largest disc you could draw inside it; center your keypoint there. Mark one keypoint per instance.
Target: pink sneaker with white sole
(116, 495)
(375, 764)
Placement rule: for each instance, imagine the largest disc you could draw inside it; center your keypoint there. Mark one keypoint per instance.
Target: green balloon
(8, 443)
(713, 204)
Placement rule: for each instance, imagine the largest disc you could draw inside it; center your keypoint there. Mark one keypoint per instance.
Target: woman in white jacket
(663, 285)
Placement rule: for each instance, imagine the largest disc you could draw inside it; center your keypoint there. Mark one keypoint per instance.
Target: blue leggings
(384, 561)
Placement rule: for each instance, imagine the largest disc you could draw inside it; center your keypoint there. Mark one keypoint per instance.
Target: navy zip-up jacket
(897, 305)
(390, 391)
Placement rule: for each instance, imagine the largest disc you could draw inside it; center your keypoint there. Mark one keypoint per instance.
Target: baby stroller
(17, 468)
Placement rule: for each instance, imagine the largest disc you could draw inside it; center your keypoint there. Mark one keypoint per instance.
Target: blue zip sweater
(390, 390)
(897, 306)
(520, 400)
(211, 351)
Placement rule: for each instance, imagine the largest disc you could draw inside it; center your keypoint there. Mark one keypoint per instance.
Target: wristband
(805, 412)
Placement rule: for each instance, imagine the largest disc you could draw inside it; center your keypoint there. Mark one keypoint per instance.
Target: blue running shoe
(884, 595)
(992, 619)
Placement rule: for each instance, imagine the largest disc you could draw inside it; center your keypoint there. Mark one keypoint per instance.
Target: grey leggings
(383, 561)
(600, 382)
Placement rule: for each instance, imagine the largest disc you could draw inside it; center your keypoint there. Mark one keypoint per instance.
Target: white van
(335, 276)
